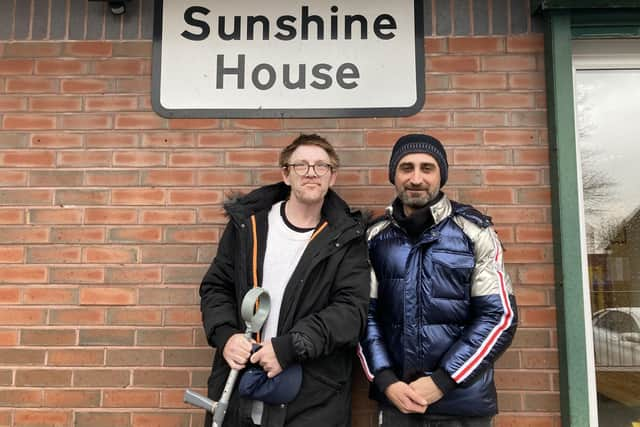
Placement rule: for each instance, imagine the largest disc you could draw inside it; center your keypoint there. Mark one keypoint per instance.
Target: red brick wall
(110, 214)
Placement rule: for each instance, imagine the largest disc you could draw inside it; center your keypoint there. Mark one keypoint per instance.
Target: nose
(311, 172)
(416, 177)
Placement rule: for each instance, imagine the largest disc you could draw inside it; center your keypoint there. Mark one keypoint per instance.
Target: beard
(420, 197)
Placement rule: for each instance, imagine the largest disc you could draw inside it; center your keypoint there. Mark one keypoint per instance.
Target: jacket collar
(440, 210)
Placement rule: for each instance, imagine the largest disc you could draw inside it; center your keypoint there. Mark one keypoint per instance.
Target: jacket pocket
(452, 272)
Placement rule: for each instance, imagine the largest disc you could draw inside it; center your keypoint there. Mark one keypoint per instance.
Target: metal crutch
(253, 318)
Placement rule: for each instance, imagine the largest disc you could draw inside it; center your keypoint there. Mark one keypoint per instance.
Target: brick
(194, 197)
(450, 100)
(110, 255)
(168, 216)
(538, 316)
(60, 67)
(11, 254)
(542, 402)
(133, 85)
(55, 216)
(188, 357)
(134, 357)
(9, 295)
(140, 121)
(97, 49)
(510, 137)
(350, 178)
(508, 63)
(479, 81)
(182, 274)
(101, 378)
(111, 140)
(526, 253)
(136, 275)
(540, 358)
(168, 296)
(55, 104)
(15, 397)
(522, 380)
(11, 178)
(35, 158)
(168, 140)
(516, 214)
(219, 140)
(364, 123)
(365, 158)
(76, 275)
(528, 43)
(36, 85)
(488, 196)
(110, 216)
(81, 197)
(121, 67)
(195, 159)
(167, 254)
(53, 254)
(13, 103)
(49, 296)
(112, 178)
(192, 124)
(28, 122)
(173, 399)
(160, 378)
(435, 45)
(75, 357)
(165, 420)
(183, 316)
(42, 378)
(56, 141)
(358, 197)
(22, 274)
(536, 274)
(481, 157)
(168, 177)
(214, 215)
(139, 159)
(12, 140)
(86, 121)
(23, 234)
(22, 316)
(534, 233)
(437, 82)
(31, 49)
(131, 399)
(107, 296)
(480, 45)
(111, 103)
(508, 100)
(18, 67)
(72, 398)
(260, 124)
(223, 177)
(480, 119)
(77, 316)
(426, 119)
(102, 419)
(251, 158)
(509, 360)
(512, 177)
(137, 196)
(533, 80)
(135, 234)
(48, 338)
(453, 64)
(159, 337)
(192, 235)
(84, 86)
(29, 417)
(529, 118)
(106, 337)
(381, 139)
(84, 159)
(540, 196)
(22, 357)
(77, 235)
(134, 316)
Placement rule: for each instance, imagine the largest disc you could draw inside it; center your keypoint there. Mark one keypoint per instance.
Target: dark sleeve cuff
(384, 379)
(444, 382)
(221, 335)
(284, 349)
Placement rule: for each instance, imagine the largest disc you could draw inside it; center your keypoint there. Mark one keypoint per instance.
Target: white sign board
(284, 58)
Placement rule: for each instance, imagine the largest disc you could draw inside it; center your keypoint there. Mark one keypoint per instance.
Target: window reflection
(608, 134)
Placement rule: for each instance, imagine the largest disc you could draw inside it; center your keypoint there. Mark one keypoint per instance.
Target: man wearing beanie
(442, 308)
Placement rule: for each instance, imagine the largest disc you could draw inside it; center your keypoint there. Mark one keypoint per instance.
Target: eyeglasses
(302, 169)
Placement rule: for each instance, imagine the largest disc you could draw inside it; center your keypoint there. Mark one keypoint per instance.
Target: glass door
(607, 108)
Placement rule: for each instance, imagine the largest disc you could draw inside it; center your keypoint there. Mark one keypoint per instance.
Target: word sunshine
(304, 26)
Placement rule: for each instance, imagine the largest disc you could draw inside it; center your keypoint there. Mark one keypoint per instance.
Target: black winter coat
(324, 308)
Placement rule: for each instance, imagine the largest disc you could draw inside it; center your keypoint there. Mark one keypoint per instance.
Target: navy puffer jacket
(443, 303)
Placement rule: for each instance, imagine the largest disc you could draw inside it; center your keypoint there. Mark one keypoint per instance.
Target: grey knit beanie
(419, 143)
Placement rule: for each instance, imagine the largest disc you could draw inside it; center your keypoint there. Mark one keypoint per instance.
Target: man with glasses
(299, 241)
(442, 308)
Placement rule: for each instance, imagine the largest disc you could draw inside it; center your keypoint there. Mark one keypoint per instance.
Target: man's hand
(237, 351)
(406, 399)
(266, 357)
(426, 388)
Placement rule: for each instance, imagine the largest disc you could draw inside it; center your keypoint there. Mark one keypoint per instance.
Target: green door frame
(566, 20)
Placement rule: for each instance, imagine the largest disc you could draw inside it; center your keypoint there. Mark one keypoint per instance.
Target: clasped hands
(414, 397)
(237, 352)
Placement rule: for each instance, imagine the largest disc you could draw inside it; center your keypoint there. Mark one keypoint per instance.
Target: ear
(332, 180)
(285, 176)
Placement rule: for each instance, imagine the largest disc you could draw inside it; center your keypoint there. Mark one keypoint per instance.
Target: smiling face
(308, 189)
(417, 181)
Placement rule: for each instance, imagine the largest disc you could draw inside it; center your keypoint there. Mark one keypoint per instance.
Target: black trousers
(392, 417)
